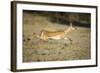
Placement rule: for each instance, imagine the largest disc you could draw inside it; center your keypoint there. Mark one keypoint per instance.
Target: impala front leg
(67, 38)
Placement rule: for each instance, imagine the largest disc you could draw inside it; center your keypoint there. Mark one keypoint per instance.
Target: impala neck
(69, 29)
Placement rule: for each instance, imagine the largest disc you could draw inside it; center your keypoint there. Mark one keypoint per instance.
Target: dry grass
(35, 49)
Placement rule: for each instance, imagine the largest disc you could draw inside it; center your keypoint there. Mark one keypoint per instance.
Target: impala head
(72, 28)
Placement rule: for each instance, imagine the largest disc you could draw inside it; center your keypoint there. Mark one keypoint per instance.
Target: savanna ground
(35, 49)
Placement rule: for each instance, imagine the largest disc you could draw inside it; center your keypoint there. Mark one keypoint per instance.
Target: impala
(56, 35)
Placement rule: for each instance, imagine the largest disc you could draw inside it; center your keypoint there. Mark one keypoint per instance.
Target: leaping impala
(56, 35)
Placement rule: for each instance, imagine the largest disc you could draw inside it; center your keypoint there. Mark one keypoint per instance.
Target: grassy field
(35, 49)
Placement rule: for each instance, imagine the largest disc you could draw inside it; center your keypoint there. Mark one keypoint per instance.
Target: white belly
(55, 37)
